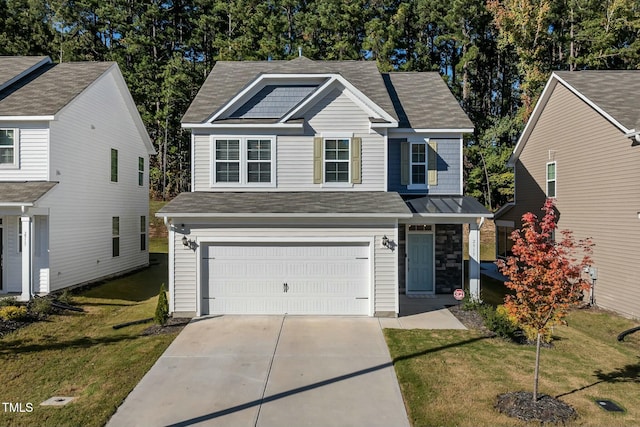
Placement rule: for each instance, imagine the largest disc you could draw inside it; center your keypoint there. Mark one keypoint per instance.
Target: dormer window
(243, 161)
(8, 148)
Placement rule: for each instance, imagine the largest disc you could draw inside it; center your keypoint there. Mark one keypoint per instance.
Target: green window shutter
(356, 160)
(433, 163)
(317, 160)
(404, 163)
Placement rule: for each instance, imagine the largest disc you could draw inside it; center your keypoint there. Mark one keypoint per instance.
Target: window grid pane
(227, 149)
(337, 172)
(140, 171)
(7, 137)
(418, 174)
(259, 172)
(143, 233)
(114, 165)
(418, 153)
(227, 172)
(6, 155)
(258, 149)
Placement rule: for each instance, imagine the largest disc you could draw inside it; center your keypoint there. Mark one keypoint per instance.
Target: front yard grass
(82, 356)
(452, 378)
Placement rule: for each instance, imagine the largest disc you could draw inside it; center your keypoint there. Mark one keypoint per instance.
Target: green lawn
(81, 355)
(452, 378)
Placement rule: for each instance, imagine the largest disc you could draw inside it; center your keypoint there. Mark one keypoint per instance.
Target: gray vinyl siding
(448, 168)
(597, 191)
(384, 266)
(336, 112)
(85, 200)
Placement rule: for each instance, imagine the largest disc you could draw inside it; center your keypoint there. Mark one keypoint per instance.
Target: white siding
(12, 258)
(85, 200)
(33, 150)
(384, 270)
(336, 112)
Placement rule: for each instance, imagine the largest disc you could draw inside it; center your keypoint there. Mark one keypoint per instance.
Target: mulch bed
(471, 319)
(174, 325)
(8, 326)
(546, 409)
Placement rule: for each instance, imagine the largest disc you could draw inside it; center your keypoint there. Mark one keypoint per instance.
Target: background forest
(495, 55)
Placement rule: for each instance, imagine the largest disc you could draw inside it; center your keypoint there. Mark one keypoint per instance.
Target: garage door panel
(320, 279)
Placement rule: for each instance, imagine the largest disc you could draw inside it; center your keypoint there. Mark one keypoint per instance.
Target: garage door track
(270, 371)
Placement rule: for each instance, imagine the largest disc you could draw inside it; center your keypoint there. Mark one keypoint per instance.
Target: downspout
(170, 261)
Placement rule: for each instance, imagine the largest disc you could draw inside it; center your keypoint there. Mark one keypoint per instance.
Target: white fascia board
(15, 205)
(27, 118)
(593, 105)
(354, 94)
(242, 125)
(249, 89)
(281, 215)
(444, 219)
(17, 77)
(431, 130)
(375, 125)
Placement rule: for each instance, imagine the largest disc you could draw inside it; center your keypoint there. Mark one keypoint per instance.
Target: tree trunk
(535, 373)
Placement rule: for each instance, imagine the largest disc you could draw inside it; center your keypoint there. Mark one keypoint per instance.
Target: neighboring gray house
(73, 175)
(586, 124)
(320, 187)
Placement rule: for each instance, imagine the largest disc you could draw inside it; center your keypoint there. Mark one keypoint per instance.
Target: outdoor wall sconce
(188, 242)
(385, 241)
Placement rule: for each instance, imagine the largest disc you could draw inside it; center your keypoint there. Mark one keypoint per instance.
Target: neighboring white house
(73, 175)
(320, 187)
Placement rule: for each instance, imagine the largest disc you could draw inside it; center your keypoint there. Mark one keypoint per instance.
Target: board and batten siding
(33, 151)
(85, 200)
(596, 191)
(384, 265)
(448, 167)
(335, 113)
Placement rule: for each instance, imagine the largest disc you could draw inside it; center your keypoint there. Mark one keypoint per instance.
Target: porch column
(26, 257)
(474, 261)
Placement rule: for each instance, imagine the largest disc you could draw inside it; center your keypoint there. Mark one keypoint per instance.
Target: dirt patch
(546, 409)
(8, 326)
(174, 325)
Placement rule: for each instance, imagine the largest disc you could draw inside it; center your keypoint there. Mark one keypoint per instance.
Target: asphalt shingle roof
(357, 203)
(12, 66)
(227, 78)
(424, 101)
(613, 91)
(24, 192)
(49, 88)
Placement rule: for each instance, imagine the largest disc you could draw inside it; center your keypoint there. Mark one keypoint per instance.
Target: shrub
(469, 304)
(8, 302)
(40, 306)
(13, 312)
(499, 321)
(65, 297)
(162, 309)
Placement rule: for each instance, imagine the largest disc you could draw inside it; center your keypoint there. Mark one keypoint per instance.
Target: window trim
(16, 149)
(143, 233)
(111, 169)
(336, 137)
(243, 161)
(115, 236)
(141, 171)
(425, 185)
(554, 180)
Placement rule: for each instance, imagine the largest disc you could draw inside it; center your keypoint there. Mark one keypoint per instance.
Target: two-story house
(320, 187)
(73, 175)
(582, 123)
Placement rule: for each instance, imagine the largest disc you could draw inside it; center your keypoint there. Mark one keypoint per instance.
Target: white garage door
(285, 278)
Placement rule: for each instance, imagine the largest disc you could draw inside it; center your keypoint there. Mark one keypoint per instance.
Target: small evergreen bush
(12, 312)
(162, 309)
(499, 321)
(8, 302)
(65, 297)
(40, 307)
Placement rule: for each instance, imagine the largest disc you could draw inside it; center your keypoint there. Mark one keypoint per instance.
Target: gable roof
(610, 93)
(422, 100)
(48, 88)
(416, 100)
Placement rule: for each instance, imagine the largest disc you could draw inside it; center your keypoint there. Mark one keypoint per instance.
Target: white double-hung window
(8, 148)
(336, 159)
(243, 161)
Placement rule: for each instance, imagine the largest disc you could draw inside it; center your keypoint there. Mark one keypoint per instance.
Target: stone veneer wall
(448, 257)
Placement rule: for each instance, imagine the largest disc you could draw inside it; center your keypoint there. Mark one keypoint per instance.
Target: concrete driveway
(268, 371)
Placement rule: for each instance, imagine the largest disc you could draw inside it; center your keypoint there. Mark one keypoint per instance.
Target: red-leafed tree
(546, 275)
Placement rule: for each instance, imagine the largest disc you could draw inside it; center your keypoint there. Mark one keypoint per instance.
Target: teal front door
(420, 263)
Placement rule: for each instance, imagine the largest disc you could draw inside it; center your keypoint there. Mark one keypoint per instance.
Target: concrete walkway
(270, 371)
